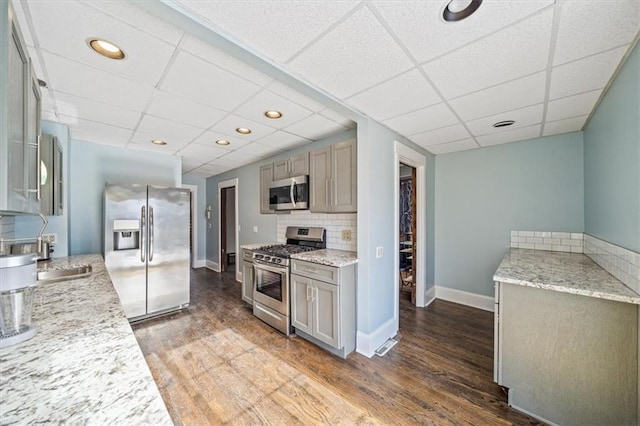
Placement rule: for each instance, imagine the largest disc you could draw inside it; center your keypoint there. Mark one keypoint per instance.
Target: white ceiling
(541, 63)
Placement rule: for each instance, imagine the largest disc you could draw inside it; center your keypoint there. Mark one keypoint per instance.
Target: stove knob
(267, 258)
(259, 256)
(278, 260)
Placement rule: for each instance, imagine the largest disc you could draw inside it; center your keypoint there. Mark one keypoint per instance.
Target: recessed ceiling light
(223, 142)
(504, 123)
(42, 83)
(243, 130)
(106, 48)
(272, 114)
(158, 142)
(457, 10)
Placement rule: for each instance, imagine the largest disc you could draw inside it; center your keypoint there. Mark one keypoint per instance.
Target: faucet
(45, 222)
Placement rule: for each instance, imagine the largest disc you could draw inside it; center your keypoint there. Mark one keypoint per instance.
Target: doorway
(406, 231)
(228, 241)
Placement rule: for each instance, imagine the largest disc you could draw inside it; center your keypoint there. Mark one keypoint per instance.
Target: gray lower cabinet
(20, 110)
(323, 305)
(333, 178)
(247, 277)
(567, 359)
(266, 177)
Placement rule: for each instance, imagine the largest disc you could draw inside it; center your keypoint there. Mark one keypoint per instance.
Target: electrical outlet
(346, 235)
(255, 228)
(378, 252)
(50, 238)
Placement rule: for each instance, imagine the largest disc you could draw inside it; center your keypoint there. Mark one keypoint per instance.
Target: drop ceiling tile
(505, 97)
(126, 11)
(64, 30)
(573, 124)
(149, 147)
(510, 136)
(509, 54)
(423, 120)
(440, 136)
(223, 60)
(255, 107)
(422, 30)
(259, 149)
(167, 130)
(211, 170)
(338, 118)
(283, 140)
(75, 106)
(445, 148)
(240, 157)
(593, 72)
(209, 138)
(407, 92)
(90, 131)
(182, 110)
(295, 96)
(190, 163)
(202, 152)
(199, 173)
(572, 106)
(225, 163)
(230, 123)
(94, 84)
(142, 140)
(523, 117)
(198, 80)
(355, 55)
(589, 27)
(276, 31)
(315, 127)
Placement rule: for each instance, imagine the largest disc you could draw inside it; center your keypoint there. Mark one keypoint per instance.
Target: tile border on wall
(570, 242)
(334, 223)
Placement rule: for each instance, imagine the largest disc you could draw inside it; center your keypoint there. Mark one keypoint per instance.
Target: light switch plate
(379, 252)
(255, 228)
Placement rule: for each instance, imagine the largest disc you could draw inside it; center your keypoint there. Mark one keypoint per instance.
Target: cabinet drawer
(247, 255)
(328, 274)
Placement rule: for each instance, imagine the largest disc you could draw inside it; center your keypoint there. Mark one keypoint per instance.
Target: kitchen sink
(55, 275)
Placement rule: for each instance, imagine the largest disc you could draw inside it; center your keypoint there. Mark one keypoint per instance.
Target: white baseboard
(202, 263)
(366, 344)
(485, 303)
(430, 296)
(213, 265)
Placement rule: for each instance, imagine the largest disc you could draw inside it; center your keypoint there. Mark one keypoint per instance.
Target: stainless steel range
(271, 275)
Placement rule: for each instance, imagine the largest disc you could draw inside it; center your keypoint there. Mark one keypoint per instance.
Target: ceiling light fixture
(106, 48)
(243, 130)
(504, 123)
(273, 114)
(158, 142)
(223, 142)
(457, 10)
(42, 83)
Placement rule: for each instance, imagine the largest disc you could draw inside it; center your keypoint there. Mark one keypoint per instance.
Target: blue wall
(612, 161)
(201, 183)
(93, 165)
(29, 226)
(483, 194)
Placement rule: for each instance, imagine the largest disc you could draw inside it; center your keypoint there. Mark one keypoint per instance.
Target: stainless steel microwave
(289, 194)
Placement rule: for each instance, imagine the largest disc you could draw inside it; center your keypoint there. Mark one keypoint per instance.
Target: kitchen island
(566, 339)
(84, 366)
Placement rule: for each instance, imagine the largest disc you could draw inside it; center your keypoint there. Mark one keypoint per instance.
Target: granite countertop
(256, 245)
(84, 366)
(572, 273)
(329, 257)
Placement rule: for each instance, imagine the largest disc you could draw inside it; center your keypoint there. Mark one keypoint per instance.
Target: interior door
(169, 211)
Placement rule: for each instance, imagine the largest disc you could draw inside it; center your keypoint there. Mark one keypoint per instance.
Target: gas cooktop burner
(284, 250)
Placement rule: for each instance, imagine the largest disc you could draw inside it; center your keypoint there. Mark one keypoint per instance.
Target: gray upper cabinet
(293, 166)
(20, 109)
(51, 184)
(333, 176)
(266, 177)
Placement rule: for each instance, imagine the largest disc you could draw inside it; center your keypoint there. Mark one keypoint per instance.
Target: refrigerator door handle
(151, 232)
(142, 232)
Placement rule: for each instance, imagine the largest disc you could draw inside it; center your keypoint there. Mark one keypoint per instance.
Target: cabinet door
(247, 282)
(32, 146)
(18, 82)
(58, 192)
(281, 169)
(266, 177)
(299, 165)
(326, 310)
(301, 304)
(344, 192)
(47, 172)
(320, 176)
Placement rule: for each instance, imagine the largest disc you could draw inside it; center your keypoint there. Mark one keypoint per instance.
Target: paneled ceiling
(543, 64)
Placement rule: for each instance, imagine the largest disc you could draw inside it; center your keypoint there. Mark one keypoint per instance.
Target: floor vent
(386, 347)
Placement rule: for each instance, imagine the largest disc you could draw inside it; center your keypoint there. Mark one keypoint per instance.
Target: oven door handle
(293, 198)
(259, 265)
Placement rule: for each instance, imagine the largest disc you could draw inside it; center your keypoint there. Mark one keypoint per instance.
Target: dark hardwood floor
(215, 363)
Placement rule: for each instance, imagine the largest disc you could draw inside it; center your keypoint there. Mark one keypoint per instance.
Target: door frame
(404, 154)
(194, 223)
(228, 184)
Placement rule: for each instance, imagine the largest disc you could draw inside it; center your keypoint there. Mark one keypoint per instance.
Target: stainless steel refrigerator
(146, 247)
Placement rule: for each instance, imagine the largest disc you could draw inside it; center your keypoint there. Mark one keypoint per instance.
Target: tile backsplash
(7, 228)
(333, 223)
(621, 263)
